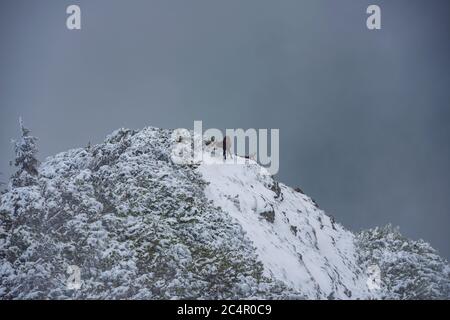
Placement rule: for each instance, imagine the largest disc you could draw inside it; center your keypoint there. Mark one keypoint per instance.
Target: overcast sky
(364, 116)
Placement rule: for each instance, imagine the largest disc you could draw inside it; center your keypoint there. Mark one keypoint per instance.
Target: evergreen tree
(2, 186)
(409, 269)
(25, 160)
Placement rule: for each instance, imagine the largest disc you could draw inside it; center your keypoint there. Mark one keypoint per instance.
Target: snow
(318, 260)
(144, 220)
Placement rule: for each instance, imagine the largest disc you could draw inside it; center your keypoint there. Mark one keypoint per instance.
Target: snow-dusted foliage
(25, 161)
(141, 222)
(137, 225)
(409, 269)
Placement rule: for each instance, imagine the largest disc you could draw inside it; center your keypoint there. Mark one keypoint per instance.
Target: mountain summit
(138, 225)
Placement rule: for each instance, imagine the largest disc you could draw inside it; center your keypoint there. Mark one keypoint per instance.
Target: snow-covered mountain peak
(140, 225)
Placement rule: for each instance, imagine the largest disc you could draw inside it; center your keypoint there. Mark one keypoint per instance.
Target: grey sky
(364, 116)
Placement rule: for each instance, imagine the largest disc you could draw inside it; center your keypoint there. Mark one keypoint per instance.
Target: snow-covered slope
(140, 225)
(296, 242)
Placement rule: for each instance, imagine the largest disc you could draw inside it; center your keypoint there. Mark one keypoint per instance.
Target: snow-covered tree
(2, 184)
(22, 233)
(25, 160)
(409, 269)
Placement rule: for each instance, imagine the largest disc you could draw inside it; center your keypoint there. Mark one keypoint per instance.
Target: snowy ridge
(303, 247)
(141, 225)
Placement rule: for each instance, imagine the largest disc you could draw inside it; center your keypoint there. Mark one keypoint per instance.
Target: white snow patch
(302, 246)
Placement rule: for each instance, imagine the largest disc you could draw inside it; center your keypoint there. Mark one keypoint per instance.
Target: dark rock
(268, 215)
(294, 230)
(299, 190)
(275, 187)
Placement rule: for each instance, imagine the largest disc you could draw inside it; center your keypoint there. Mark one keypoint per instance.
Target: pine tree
(2, 186)
(25, 160)
(409, 269)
